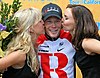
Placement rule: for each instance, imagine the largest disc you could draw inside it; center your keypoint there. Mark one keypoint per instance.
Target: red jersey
(56, 57)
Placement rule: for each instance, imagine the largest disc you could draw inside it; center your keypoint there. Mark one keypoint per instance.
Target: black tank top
(89, 64)
(24, 72)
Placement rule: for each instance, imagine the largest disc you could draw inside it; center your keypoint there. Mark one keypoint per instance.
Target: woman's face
(38, 28)
(68, 20)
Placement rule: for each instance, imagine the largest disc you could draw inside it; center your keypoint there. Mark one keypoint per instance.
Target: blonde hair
(26, 18)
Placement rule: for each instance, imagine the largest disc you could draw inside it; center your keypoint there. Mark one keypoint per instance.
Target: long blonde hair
(26, 18)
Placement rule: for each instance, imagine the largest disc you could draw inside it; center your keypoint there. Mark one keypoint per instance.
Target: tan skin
(17, 59)
(37, 28)
(91, 46)
(53, 26)
(10, 60)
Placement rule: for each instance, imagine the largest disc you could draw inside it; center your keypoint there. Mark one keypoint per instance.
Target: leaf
(0, 37)
(0, 43)
(1, 53)
(4, 34)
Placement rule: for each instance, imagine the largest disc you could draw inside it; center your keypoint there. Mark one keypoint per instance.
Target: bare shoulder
(91, 45)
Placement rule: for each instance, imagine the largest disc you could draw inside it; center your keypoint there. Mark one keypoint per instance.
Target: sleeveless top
(24, 72)
(88, 64)
(56, 57)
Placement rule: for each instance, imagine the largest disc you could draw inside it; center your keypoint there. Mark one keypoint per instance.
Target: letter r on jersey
(45, 64)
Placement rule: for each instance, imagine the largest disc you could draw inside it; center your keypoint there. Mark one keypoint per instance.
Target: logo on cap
(51, 10)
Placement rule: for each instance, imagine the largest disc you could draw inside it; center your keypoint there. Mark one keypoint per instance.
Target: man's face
(52, 26)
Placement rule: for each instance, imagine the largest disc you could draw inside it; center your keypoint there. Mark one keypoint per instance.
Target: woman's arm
(91, 46)
(11, 59)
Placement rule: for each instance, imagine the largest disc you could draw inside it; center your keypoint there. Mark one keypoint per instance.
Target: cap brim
(49, 15)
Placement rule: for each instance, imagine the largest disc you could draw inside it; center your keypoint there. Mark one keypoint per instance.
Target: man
(55, 51)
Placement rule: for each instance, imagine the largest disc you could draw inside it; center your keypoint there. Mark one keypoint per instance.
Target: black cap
(51, 10)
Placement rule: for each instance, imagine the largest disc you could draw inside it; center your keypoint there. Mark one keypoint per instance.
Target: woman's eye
(66, 18)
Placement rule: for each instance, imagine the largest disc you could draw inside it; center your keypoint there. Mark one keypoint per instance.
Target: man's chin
(54, 35)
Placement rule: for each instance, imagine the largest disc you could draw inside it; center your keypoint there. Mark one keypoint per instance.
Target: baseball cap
(51, 10)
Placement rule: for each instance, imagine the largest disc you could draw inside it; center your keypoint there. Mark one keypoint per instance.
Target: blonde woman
(21, 59)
